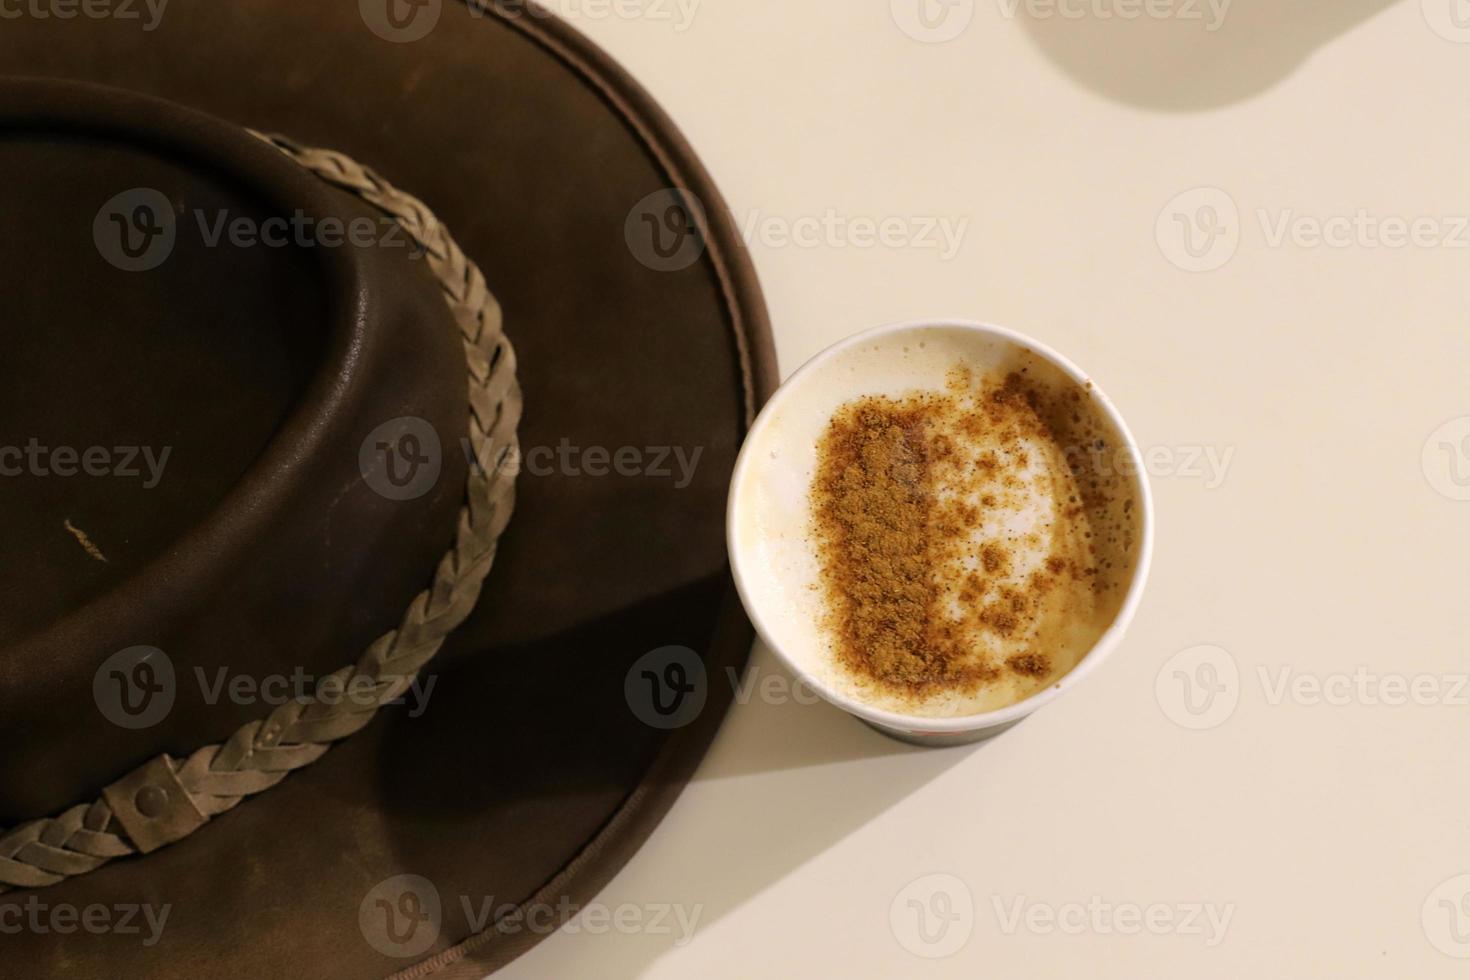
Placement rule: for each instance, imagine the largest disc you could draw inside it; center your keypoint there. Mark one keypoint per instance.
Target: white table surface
(1292, 397)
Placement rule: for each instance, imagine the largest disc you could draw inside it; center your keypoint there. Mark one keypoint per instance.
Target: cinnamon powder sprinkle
(1029, 664)
(893, 503)
(875, 513)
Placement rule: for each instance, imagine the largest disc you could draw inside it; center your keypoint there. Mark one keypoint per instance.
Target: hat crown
(197, 353)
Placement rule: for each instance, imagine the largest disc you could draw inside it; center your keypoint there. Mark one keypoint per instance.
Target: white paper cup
(818, 387)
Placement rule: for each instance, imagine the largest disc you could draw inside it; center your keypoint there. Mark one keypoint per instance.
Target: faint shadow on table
(1223, 51)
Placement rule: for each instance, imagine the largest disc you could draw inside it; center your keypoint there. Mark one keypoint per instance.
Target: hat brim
(529, 780)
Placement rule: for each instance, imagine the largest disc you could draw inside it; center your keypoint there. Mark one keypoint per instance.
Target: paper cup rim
(921, 724)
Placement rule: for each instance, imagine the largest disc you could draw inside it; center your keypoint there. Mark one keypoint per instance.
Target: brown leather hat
(363, 590)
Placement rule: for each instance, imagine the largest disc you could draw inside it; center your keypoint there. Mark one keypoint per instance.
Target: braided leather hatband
(167, 799)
